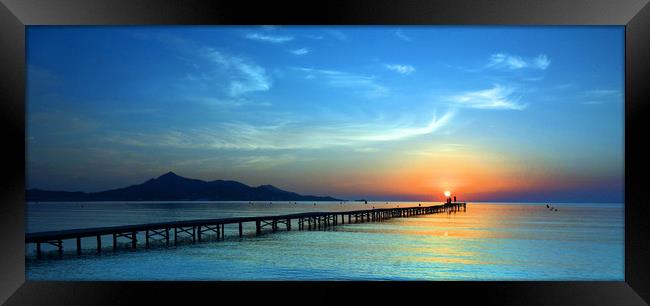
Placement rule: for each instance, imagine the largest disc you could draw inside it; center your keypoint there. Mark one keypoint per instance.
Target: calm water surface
(491, 241)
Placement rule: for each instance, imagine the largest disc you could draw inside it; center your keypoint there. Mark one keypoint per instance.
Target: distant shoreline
(172, 187)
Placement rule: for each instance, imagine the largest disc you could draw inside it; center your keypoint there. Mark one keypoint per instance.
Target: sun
(447, 193)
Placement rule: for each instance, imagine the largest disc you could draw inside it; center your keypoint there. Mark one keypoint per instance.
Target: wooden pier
(196, 229)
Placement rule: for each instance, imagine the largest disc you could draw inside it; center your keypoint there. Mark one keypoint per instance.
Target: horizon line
(332, 196)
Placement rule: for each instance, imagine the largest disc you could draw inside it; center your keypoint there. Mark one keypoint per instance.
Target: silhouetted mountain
(172, 187)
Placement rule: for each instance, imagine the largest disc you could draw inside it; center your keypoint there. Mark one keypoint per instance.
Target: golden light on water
(447, 193)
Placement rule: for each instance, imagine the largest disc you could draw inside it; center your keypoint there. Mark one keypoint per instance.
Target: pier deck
(196, 228)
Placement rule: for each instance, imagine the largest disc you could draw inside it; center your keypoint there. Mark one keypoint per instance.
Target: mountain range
(172, 187)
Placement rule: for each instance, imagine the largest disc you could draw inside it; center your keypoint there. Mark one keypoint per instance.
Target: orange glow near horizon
(427, 174)
(423, 172)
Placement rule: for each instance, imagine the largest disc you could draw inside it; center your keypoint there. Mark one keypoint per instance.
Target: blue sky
(501, 113)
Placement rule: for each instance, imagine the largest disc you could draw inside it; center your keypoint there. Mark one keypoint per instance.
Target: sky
(374, 112)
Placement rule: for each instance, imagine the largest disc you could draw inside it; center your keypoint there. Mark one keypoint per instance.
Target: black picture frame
(16, 14)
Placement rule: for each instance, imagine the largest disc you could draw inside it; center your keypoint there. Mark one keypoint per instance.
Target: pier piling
(314, 220)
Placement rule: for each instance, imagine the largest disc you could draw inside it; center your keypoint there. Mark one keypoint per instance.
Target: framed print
(416, 146)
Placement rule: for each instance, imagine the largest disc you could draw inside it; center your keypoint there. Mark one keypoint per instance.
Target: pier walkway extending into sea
(195, 229)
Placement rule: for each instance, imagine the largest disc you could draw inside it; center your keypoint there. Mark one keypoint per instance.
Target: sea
(487, 242)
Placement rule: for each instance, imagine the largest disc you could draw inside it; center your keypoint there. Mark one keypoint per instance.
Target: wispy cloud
(533, 79)
(335, 78)
(601, 92)
(402, 69)
(442, 149)
(366, 149)
(514, 62)
(402, 36)
(284, 135)
(399, 133)
(263, 161)
(314, 36)
(541, 62)
(210, 101)
(600, 96)
(246, 76)
(301, 51)
(268, 38)
(337, 34)
(501, 60)
(497, 97)
(592, 102)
